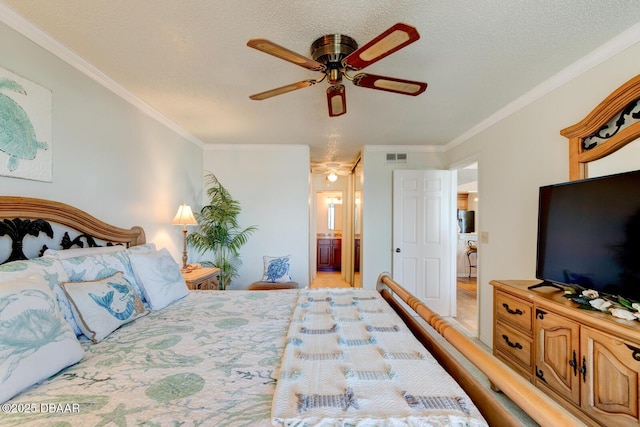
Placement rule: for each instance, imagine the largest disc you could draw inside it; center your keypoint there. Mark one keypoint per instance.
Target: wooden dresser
(587, 360)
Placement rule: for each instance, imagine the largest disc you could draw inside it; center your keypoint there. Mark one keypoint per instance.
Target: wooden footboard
(539, 406)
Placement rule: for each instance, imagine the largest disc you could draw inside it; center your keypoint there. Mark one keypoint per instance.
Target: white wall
(272, 185)
(520, 153)
(109, 158)
(376, 244)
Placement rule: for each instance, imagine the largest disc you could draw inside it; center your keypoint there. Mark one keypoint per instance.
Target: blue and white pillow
(96, 267)
(144, 248)
(35, 340)
(159, 277)
(276, 269)
(76, 252)
(102, 306)
(53, 273)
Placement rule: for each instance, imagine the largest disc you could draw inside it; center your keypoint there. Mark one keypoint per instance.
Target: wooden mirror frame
(597, 121)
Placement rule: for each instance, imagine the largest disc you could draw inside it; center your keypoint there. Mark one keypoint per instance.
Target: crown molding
(611, 48)
(256, 147)
(24, 27)
(408, 148)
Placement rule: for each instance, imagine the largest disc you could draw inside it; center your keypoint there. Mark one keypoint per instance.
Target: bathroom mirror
(329, 213)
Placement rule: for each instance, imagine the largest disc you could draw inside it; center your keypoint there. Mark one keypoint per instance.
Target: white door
(422, 236)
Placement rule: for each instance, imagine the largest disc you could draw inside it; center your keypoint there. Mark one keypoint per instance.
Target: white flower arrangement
(617, 306)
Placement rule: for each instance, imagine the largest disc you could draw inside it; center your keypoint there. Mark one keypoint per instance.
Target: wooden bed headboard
(22, 216)
(614, 123)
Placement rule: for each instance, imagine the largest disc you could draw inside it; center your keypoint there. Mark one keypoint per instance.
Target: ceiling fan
(335, 54)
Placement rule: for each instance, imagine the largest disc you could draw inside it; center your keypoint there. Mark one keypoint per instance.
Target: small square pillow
(159, 277)
(276, 269)
(102, 306)
(35, 340)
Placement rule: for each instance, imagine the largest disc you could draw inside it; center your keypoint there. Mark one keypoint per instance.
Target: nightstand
(203, 279)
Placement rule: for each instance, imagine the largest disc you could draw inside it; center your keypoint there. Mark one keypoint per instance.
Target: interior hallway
(467, 304)
(328, 279)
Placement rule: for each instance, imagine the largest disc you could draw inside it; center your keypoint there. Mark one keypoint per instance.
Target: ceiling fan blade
(336, 100)
(283, 53)
(389, 84)
(395, 38)
(283, 89)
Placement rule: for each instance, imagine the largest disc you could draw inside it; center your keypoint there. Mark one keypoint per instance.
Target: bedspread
(349, 360)
(208, 359)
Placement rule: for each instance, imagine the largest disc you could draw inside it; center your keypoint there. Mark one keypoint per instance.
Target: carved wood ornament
(22, 216)
(614, 123)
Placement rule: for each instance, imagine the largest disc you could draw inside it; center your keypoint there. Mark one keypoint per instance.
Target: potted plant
(218, 230)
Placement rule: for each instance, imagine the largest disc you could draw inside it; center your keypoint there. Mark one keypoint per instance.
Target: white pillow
(159, 277)
(146, 248)
(76, 252)
(35, 340)
(53, 273)
(102, 306)
(276, 269)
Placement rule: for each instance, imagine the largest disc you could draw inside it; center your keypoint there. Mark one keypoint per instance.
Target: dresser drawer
(514, 312)
(515, 345)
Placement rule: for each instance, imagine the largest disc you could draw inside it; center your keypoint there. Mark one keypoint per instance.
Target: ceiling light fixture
(332, 177)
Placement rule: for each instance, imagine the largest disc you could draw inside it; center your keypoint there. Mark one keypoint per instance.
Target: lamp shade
(184, 216)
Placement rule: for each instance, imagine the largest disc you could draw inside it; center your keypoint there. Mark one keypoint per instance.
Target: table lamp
(184, 217)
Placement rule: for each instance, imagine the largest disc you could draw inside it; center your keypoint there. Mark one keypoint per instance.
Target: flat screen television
(589, 234)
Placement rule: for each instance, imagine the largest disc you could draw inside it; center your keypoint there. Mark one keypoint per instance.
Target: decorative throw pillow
(35, 340)
(99, 266)
(159, 276)
(102, 306)
(276, 269)
(144, 248)
(76, 252)
(53, 273)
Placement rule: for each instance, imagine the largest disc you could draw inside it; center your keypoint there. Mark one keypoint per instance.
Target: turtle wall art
(25, 128)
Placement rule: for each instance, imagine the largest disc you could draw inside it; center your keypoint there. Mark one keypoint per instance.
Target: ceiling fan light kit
(335, 54)
(337, 100)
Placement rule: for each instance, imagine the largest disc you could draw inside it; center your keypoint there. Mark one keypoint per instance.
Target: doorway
(467, 247)
(422, 227)
(329, 219)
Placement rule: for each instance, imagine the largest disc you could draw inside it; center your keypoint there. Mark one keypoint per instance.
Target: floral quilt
(208, 359)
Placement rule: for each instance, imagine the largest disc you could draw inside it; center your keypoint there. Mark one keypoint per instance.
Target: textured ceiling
(189, 61)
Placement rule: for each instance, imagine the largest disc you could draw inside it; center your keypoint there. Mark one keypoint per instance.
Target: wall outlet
(484, 237)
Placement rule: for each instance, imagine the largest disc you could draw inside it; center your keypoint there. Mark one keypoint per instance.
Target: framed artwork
(26, 142)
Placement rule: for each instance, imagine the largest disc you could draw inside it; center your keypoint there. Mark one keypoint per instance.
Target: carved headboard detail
(614, 123)
(22, 216)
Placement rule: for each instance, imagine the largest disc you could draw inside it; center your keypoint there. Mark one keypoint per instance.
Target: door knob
(398, 250)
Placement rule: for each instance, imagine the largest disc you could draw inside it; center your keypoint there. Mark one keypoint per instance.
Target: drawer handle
(510, 344)
(516, 311)
(574, 364)
(583, 369)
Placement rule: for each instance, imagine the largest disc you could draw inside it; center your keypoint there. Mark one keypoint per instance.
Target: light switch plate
(484, 237)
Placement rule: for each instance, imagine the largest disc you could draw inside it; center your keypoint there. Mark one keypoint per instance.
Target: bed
(235, 358)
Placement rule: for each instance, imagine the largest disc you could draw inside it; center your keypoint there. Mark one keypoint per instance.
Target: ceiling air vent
(396, 158)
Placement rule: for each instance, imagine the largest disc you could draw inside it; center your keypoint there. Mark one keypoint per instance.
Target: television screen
(589, 234)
